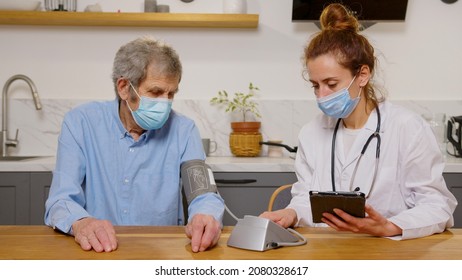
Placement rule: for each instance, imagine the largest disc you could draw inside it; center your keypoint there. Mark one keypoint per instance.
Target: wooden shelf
(129, 19)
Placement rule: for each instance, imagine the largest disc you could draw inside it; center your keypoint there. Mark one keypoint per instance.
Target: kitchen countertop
(218, 164)
(251, 164)
(453, 164)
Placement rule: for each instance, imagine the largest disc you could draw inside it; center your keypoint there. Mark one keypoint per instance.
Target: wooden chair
(280, 198)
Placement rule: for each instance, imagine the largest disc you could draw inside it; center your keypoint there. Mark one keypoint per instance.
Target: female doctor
(401, 168)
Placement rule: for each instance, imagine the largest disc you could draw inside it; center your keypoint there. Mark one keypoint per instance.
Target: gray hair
(132, 60)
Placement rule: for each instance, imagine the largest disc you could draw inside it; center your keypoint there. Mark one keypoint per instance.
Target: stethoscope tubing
(376, 135)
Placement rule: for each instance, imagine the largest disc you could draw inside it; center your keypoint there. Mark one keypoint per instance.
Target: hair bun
(338, 17)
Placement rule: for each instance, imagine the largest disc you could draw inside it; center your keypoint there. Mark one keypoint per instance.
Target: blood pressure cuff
(197, 178)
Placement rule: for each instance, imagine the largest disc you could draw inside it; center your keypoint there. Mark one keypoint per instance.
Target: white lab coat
(409, 189)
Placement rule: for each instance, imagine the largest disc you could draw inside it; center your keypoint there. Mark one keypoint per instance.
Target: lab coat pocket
(387, 195)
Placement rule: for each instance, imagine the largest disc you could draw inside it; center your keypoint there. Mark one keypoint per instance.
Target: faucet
(5, 142)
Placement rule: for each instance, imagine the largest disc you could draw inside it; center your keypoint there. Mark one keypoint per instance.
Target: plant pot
(246, 126)
(245, 139)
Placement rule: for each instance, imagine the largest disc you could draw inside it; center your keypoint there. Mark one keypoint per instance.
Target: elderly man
(119, 162)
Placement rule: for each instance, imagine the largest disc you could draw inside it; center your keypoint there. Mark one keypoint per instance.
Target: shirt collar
(115, 113)
(372, 121)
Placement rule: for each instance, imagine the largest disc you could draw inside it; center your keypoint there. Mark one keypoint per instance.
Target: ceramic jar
(234, 6)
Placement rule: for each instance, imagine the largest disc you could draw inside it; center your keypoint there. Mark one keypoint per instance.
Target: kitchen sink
(18, 158)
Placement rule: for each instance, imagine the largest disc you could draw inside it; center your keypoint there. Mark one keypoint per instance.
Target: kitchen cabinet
(23, 196)
(39, 190)
(454, 183)
(248, 193)
(14, 198)
(129, 19)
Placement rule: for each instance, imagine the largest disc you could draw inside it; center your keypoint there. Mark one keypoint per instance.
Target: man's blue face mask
(152, 113)
(339, 104)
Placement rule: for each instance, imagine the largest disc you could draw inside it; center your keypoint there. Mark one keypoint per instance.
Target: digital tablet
(351, 202)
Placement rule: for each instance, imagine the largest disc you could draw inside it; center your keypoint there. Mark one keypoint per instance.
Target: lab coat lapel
(339, 155)
(339, 147)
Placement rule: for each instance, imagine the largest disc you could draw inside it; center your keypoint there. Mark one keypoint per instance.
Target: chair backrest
(280, 198)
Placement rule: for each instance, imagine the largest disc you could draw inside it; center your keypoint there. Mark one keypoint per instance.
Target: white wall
(420, 58)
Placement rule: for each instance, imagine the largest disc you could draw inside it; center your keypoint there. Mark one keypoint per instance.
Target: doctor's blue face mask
(152, 113)
(339, 104)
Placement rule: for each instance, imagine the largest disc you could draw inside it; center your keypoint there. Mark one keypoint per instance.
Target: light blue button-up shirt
(102, 172)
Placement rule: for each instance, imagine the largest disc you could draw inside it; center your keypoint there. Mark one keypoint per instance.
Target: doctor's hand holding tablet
(363, 151)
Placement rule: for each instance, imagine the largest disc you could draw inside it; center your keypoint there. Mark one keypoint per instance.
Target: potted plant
(245, 137)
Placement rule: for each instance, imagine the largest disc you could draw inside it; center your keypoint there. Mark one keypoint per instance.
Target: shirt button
(126, 181)
(125, 211)
(131, 150)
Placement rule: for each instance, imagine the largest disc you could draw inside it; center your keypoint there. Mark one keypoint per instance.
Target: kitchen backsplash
(281, 120)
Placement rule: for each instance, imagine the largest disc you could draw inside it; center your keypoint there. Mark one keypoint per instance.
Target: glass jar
(61, 5)
(437, 122)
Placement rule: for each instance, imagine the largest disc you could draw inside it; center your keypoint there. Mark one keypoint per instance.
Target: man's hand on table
(95, 234)
(204, 232)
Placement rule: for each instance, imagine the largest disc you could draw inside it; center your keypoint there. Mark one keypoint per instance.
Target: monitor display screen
(365, 10)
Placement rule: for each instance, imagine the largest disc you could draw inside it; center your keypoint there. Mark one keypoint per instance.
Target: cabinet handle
(242, 181)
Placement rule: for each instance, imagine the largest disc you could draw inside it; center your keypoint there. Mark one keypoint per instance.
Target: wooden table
(170, 243)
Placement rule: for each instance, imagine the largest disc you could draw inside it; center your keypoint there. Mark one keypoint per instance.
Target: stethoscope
(377, 153)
